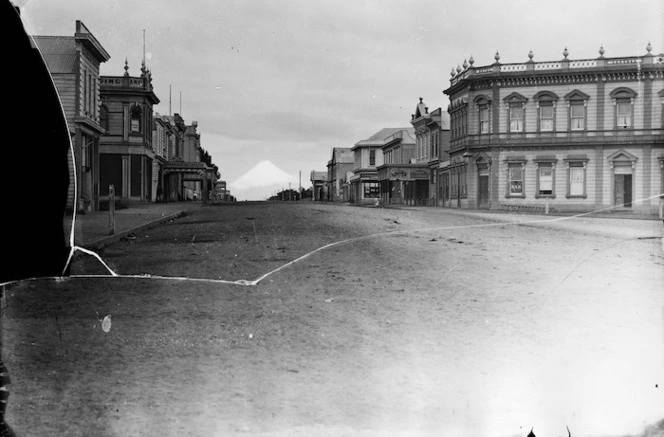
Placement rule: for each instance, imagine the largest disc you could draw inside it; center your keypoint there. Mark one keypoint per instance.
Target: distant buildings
(117, 139)
(364, 187)
(342, 162)
(318, 182)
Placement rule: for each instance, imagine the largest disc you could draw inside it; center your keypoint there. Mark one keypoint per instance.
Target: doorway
(483, 187)
(623, 190)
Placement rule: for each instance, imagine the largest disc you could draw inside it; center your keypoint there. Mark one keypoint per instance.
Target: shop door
(623, 190)
(483, 188)
(446, 188)
(623, 185)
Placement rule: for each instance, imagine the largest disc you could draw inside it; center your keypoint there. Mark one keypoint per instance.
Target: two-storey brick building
(73, 62)
(575, 135)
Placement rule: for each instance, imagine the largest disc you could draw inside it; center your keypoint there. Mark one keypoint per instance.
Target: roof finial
(531, 55)
(565, 52)
(421, 99)
(649, 47)
(465, 64)
(452, 72)
(497, 56)
(471, 61)
(458, 69)
(602, 51)
(126, 68)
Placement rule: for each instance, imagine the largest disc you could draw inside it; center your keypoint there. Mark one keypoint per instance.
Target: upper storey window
(483, 107)
(516, 117)
(546, 111)
(135, 117)
(624, 114)
(577, 116)
(577, 103)
(484, 120)
(623, 100)
(516, 114)
(458, 118)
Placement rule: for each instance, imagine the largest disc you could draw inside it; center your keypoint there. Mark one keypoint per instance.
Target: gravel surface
(418, 322)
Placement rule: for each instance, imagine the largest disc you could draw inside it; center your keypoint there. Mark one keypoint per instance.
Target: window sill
(545, 196)
(569, 196)
(515, 196)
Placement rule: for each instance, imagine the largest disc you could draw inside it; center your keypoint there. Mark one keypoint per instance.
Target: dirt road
(423, 322)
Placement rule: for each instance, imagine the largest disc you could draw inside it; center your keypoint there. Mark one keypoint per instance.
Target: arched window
(546, 111)
(623, 101)
(483, 113)
(516, 108)
(135, 119)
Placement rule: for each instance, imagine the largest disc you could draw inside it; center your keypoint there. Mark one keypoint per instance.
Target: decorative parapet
(600, 65)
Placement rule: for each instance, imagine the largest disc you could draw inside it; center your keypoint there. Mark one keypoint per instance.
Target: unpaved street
(421, 322)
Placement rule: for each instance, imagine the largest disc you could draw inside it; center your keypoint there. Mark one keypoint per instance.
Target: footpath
(92, 230)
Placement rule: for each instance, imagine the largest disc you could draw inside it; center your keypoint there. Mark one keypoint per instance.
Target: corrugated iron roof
(59, 53)
(379, 137)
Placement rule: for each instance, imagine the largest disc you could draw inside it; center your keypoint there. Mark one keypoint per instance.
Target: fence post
(111, 209)
(546, 207)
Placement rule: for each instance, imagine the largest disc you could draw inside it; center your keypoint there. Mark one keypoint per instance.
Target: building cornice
(559, 72)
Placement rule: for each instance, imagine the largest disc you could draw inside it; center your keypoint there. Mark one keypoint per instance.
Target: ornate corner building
(125, 151)
(569, 135)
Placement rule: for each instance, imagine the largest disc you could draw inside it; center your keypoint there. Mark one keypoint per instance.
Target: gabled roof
(378, 139)
(59, 52)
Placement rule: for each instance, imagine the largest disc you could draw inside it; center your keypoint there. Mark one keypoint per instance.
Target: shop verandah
(404, 185)
(187, 181)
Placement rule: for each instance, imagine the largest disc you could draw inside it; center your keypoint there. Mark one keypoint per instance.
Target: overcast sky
(287, 80)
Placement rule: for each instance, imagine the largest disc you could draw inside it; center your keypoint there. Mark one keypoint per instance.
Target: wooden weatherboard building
(125, 151)
(570, 135)
(73, 62)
